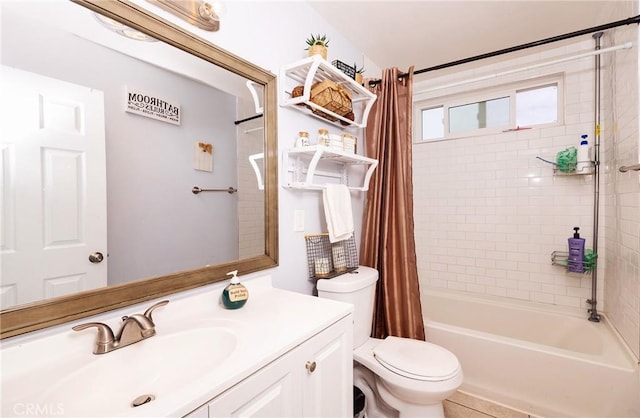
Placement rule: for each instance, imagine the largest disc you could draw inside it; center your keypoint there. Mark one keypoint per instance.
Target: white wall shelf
(303, 166)
(253, 161)
(314, 69)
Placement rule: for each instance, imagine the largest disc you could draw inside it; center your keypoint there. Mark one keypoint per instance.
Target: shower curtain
(387, 235)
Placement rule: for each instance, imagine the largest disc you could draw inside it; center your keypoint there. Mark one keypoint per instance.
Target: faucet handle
(149, 311)
(105, 335)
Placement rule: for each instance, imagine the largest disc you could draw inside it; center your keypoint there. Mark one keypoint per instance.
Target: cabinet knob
(310, 366)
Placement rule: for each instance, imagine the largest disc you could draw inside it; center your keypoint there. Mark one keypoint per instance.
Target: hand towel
(338, 212)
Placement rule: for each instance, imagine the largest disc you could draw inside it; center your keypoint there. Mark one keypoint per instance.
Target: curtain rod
(626, 45)
(238, 122)
(628, 21)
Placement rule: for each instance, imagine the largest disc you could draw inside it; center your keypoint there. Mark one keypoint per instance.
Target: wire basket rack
(326, 260)
(561, 258)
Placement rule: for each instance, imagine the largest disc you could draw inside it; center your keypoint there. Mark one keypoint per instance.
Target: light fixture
(203, 14)
(122, 29)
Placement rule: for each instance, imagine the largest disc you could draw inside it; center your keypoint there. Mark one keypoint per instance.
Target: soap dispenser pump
(235, 295)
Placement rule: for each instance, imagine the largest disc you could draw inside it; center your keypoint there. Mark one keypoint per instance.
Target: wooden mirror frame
(50, 312)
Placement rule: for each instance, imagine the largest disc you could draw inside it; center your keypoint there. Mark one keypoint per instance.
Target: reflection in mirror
(103, 139)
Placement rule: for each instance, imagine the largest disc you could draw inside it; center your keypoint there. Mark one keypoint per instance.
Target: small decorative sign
(345, 68)
(151, 106)
(203, 156)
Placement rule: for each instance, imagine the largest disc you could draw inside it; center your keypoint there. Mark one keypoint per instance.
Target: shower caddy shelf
(314, 69)
(561, 258)
(303, 164)
(558, 172)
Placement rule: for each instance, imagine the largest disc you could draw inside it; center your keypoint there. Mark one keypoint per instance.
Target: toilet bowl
(411, 376)
(399, 376)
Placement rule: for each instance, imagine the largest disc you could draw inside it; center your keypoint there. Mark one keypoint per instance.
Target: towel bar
(625, 168)
(197, 190)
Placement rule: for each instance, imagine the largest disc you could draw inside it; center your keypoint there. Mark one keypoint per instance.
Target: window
(485, 114)
(432, 126)
(490, 111)
(537, 106)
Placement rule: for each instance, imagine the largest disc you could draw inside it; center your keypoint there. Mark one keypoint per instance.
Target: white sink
(107, 384)
(200, 351)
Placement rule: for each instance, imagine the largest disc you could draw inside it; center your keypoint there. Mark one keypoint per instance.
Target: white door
(53, 179)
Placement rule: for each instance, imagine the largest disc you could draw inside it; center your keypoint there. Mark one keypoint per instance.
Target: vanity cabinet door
(328, 374)
(314, 379)
(273, 391)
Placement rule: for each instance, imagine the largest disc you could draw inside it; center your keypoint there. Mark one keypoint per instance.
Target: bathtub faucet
(134, 328)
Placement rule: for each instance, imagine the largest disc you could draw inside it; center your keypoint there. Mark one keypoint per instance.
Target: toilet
(400, 377)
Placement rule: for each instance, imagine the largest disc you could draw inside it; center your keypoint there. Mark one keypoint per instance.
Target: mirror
(136, 163)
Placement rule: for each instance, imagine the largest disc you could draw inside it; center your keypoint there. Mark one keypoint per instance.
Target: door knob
(96, 257)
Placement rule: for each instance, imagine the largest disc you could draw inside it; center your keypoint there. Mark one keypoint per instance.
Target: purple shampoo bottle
(576, 253)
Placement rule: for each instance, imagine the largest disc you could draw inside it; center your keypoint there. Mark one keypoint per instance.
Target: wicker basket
(330, 96)
(297, 92)
(349, 116)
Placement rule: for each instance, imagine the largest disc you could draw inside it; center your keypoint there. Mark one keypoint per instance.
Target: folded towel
(338, 212)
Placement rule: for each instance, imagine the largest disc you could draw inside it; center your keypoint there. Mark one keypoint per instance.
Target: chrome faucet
(134, 328)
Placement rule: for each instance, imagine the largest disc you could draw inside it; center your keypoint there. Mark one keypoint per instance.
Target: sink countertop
(271, 323)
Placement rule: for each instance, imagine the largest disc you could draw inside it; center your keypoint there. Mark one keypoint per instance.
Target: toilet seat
(418, 360)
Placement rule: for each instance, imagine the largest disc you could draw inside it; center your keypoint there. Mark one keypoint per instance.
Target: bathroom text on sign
(151, 106)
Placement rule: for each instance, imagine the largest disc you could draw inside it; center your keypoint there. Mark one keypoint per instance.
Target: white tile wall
(488, 214)
(250, 198)
(622, 200)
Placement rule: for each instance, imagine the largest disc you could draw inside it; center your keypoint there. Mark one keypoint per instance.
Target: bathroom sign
(151, 106)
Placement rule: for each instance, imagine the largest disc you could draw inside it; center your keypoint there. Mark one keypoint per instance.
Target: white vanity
(282, 354)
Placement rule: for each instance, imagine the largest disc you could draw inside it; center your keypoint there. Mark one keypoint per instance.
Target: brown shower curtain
(387, 237)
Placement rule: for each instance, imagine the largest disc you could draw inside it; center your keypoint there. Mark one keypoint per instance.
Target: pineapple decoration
(317, 45)
(359, 74)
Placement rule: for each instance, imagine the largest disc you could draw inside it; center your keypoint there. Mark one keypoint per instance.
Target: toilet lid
(416, 359)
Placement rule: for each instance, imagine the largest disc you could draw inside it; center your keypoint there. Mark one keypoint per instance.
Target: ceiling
(428, 33)
(81, 22)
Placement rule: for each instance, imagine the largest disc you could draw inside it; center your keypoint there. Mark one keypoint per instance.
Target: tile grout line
(473, 409)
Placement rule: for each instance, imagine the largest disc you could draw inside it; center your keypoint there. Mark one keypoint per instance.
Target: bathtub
(542, 361)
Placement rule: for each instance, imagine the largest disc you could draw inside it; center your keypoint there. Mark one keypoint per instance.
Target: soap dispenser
(584, 156)
(235, 295)
(576, 252)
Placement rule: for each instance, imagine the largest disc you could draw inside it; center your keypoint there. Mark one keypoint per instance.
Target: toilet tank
(357, 288)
